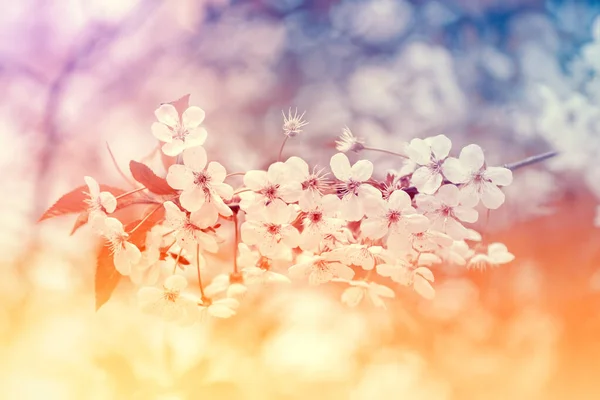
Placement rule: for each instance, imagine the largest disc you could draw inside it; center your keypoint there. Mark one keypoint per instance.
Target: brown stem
(282, 146)
(198, 269)
(531, 160)
(385, 151)
(114, 160)
(235, 244)
(129, 193)
(145, 218)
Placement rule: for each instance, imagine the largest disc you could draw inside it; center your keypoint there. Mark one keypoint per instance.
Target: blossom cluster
(341, 225)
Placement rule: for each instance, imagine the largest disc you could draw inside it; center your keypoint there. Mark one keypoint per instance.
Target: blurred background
(517, 77)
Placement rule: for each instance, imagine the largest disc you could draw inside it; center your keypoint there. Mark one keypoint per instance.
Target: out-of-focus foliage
(518, 77)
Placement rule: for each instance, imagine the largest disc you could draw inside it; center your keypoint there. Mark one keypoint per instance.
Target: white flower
(168, 301)
(458, 253)
(319, 220)
(270, 229)
(148, 270)
(477, 179)
(353, 295)
(226, 283)
(313, 183)
(348, 142)
(179, 134)
(125, 254)
(268, 186)
(402, 273)
(222, 308)
(260, 276)
(320, 269)
(256, 269)
(99, 204)
(395, 216)
(430, 240)
(292, 124)
(200, 183)
(356, 193)
(339, 237)
(497, 254)
(360, 255)
(429, 154)
(191, 230)
(207, 307)
(445, 209)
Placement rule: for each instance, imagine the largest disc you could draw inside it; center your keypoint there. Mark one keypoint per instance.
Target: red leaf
(106, 278)
(74, 202)
(81, 220)
(181, 104)
(154, 183)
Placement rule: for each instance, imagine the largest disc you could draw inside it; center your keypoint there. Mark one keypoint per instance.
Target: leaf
(106, 278)
(81, 220)
(144, 175)
(181, 104)
(75, 201)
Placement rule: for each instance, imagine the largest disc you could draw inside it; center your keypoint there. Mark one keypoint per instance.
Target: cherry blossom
(477, 179)
(200, 183)
(430, 155)
(395, 216)
(446, 209)
(268, 186)
(167, 302)
(207, 307)
(192, 229)
(125, 254)
(257, 269)
(293, 124)
(360, 255)
(356, 193)
(458, 253)
(358, 290)
(497, 254)
(270, 229)
(99, 203)
(320, 219)
(313, 183)
(223, 283)
(148, 270)
(402, 272)
(320, 269)
(430, 240)
(179, 133)
(348, 142)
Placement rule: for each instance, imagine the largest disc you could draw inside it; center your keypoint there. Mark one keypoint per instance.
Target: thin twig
(385, 151)
(114, 160)
(282, 146)
(234, 174)
(531, 160)
(235, 244)
(198, 269)
(145, 218)
(177, 260)
(129, 193)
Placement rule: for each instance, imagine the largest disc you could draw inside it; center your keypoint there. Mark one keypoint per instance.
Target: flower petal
(108, 201)
(361, 171)
(193, 117)
(340, 166)
(173, 148)
(399, 200)
(449, 195)
(440, 146)
(455, 171)
(192, 199)
(168, 115)
(162, 132)
(195, 137)
(195, 158)
(426, 181)
(472, 157)
(491, 196)
(499, 176)
(180, 177)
